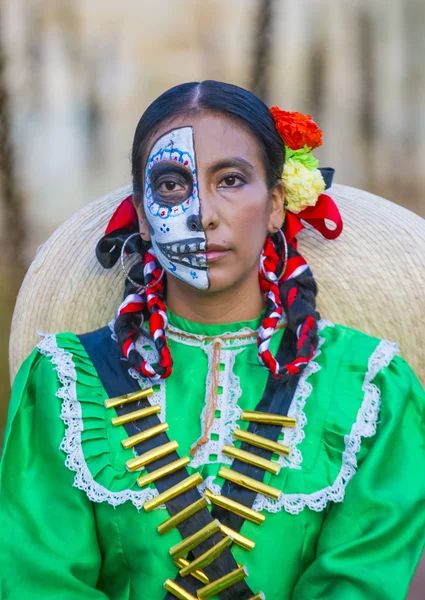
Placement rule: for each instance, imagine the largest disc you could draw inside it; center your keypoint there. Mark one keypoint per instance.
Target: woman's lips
(214, 255)
(214, 252)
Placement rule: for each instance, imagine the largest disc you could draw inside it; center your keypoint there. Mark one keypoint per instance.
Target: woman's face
(206, 206)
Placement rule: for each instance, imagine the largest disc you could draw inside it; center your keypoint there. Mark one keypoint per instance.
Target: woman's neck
(241, 302)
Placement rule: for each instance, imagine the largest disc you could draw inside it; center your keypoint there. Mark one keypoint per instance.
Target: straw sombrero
(372, 278)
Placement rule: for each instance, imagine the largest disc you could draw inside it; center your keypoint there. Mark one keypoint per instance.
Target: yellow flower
(302, 186)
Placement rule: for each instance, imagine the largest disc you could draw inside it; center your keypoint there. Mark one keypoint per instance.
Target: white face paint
(173, 209)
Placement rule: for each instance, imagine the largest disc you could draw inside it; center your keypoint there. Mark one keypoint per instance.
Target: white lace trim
(72, 417)
(364, 426)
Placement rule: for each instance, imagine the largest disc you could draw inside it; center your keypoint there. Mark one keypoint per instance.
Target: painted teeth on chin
(185, 253)
(192, 261)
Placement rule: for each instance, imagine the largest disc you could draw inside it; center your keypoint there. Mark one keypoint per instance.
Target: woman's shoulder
(358, 371)
(53, 354)
(58, 353)
(61, 363)
(57, 367)
(348, 355)
(353, 344)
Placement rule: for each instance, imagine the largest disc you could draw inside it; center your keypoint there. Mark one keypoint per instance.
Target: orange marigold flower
(297, 130)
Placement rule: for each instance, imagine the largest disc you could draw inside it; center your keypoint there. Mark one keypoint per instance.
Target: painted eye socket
(171, 189)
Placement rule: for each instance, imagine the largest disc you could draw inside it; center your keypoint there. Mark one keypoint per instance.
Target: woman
(278, 446)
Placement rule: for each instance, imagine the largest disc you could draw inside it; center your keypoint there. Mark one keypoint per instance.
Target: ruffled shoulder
(91, 444)
(340, 418)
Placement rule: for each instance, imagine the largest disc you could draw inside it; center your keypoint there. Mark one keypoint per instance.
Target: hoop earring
(140, 288)
(284, 243)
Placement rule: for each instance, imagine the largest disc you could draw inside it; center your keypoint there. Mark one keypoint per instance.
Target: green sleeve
(372, 542)
(48, 547)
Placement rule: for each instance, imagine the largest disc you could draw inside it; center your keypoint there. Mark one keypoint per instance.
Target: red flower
(297, 130)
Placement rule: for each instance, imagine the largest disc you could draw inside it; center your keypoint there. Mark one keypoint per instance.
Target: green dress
(349, 524)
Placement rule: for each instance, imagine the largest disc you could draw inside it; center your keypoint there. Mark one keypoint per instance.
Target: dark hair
(229, 100)
(217, 97)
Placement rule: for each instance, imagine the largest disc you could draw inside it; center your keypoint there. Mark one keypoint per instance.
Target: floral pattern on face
(173, 209)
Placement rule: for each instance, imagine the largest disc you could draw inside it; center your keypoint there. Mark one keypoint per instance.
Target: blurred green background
(76, 76)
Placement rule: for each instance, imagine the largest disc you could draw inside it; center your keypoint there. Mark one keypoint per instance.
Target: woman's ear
(143, 222)
(278, 208)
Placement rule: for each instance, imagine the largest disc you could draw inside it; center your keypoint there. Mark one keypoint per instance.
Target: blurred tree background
(75, 76)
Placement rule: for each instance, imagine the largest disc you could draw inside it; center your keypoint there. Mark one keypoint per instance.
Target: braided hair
(294, 294)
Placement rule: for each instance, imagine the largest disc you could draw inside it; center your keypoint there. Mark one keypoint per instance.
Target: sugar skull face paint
(173, 210)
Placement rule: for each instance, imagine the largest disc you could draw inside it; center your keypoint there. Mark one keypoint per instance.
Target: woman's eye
(232, 181)
(170, 186)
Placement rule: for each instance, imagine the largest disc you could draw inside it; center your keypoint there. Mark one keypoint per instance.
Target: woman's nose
(209, 214)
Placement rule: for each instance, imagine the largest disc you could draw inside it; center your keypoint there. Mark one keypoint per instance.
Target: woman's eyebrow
(225, 163)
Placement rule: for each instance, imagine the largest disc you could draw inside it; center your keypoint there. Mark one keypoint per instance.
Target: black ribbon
(108, 248)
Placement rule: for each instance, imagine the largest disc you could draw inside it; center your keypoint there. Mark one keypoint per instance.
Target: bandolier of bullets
(180, 551)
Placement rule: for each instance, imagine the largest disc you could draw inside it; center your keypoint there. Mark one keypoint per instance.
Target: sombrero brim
(372, 278)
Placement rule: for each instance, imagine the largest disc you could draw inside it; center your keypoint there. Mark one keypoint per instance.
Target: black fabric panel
(113, 372)
(276, 399)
